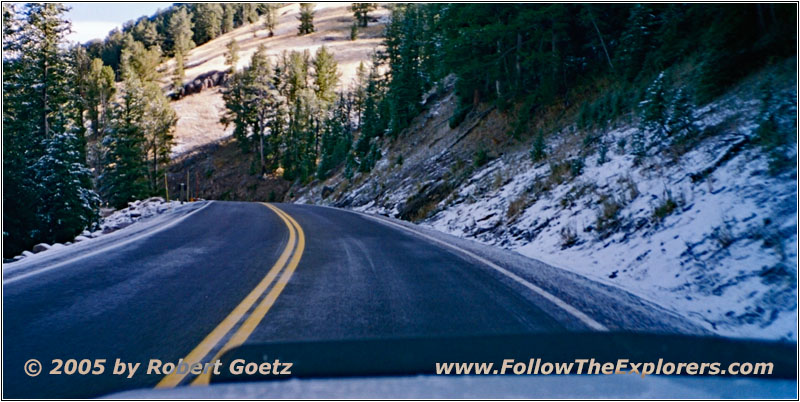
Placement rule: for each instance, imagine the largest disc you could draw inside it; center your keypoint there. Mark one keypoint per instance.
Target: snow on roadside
(724, 255)
(709, 234)
(140, 210)
(136, 211)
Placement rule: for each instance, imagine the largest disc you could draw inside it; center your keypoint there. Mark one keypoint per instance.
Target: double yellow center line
(289, 259)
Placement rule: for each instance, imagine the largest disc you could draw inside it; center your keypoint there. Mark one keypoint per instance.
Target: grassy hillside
(199, 114)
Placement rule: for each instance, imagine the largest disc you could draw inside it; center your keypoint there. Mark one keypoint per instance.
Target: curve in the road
(581, 316)
(294, 249)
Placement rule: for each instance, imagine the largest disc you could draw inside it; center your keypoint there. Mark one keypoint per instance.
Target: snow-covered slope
(709, 232)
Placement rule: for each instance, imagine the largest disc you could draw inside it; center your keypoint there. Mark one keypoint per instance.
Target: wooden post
(166, 186)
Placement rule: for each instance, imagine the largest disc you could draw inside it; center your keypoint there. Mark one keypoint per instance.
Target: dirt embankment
(220, 171)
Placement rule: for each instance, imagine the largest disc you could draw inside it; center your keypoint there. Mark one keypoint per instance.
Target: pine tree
(403, 51)
(144, 62)
(228, 13)
(654, 109)
(67, 203)
(326, 75)
(78, 73)
(124, 176)
(178, 74)
(539, 148)
(140, 137)
(255, 107)
(297, 65)
(361, 11)
(99, 94)
(180, 30)
(373, 122)
(207, 21)
(232, 55)
(336, 139)
(264, 99)
(248, 13)
(20, 223)
(681, 122)
(636, 41)
(149, 34)
(358, 92)
(306, 19)
(270, 18)
(236, 111)
(299, 157)
(47, 195)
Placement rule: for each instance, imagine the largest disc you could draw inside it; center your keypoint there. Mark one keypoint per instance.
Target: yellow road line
(213, 338)
(261, 310)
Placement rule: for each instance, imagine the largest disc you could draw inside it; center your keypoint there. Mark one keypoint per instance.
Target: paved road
(232, 273)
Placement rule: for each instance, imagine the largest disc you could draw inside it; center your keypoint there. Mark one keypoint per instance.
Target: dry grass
(332, 22)
(199, 114)
(199, 120)
(517, 206)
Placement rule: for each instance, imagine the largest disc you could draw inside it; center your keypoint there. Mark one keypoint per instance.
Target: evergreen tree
(373, 122)
(299, 157)
(637, 40)
(124, 176)
(78, 73)
(248, 13)
(236, 111)
(143, 62)
(654, 109)
(358, 92)
(46, 194)
(270, 18)
(179, 73)
(255, 107)
(207, 21)
(180, 30)
(140, 137)
(232, 55)
(306, 19)
(264, 99)
(228, 13)
(326, 75)
(538, 148)
(403, 51)
(336, 139)
(158, 126)
(67, 203)
(297, 66)
(99, 94)
(149, 34)
(361, 11)
(354, 31)
(681, 122)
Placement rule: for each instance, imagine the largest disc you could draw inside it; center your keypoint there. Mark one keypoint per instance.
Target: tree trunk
(45, 100)
(261, 147)
(497, 80)
(517, 62)
(599, 35)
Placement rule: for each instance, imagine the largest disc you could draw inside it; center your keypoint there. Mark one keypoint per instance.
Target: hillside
(199, 113)
(708, 232)
(693, 209)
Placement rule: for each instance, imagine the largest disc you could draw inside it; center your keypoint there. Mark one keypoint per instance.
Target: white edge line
(591, 323)
(106, 248)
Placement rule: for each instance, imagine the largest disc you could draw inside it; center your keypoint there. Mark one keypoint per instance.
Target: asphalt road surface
(234, 273)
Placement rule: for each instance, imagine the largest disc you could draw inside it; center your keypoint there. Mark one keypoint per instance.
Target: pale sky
(93, 20)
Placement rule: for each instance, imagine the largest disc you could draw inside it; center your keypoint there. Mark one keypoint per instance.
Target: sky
(93, 20)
